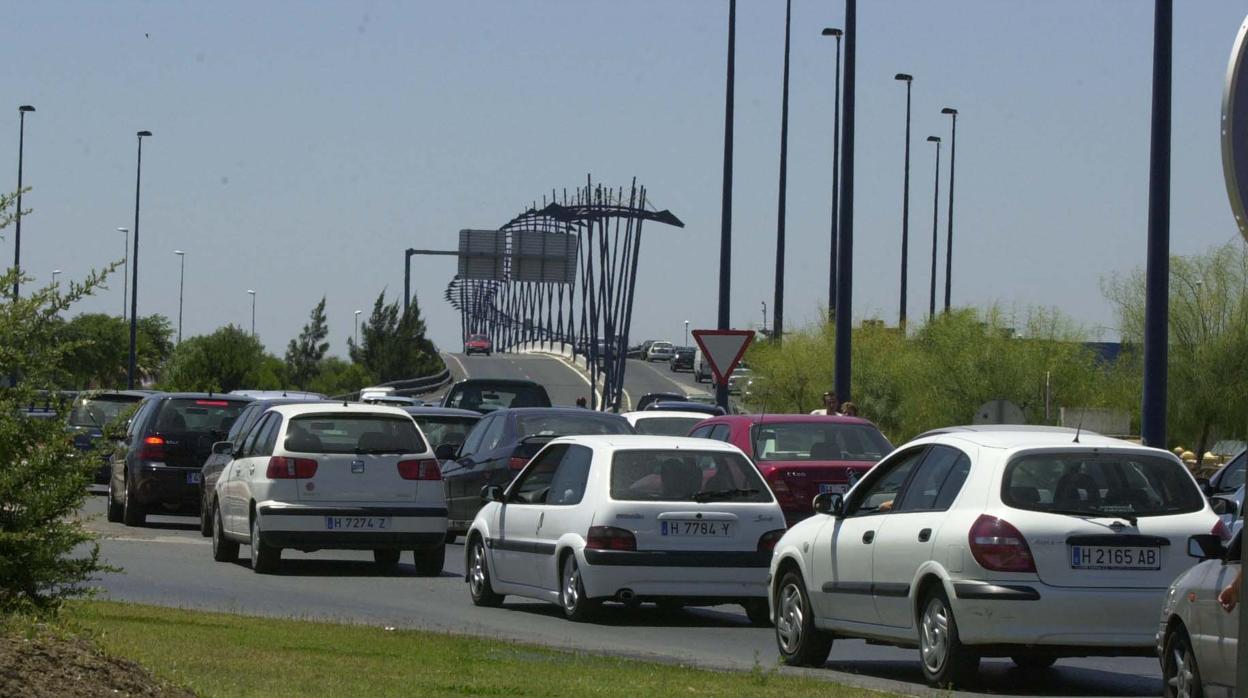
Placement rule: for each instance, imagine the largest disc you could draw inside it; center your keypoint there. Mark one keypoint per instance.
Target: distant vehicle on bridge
(478, 344)
(660, 351)
(682, 359)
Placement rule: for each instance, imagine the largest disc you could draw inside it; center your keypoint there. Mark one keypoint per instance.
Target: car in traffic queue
(682, 359)
(92, 411)
(970, 542)
(478, 344)
(801, 456)
(645, 401)
(660, 351)
(484, 395)
(664, 422)
(157, 467)
(334, 476)
(501, 444)
(1198, 640)
(1228, 478)
(671, 520)
(689, 406)
(221, 456)
(444, 425)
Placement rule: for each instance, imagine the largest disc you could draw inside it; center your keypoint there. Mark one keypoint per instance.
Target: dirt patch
(40, 663)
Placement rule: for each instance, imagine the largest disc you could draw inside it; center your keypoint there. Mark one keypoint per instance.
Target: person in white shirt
(830, 404)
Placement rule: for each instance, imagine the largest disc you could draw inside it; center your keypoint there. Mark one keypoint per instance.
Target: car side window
(256, 436)
(721, 432)
(491, 438)
(567, 487)
(239, 431)
(473, 443)
(139, 417)
(887, 479)
(268, 438)
(702, 432)
(937, 480)
(534, 483)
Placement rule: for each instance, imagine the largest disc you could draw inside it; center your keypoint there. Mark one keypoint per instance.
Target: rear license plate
(696, 529)
(361, 523)
(192, 478)
(825, 487)
(1098, 557)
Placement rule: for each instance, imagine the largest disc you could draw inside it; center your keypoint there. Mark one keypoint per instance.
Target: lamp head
(933, 139)
(949, 110)
(903, 76)
(123, 230)
(25, 108)
(832, 31)
(252, 292)
(179, 252)
(144, 133)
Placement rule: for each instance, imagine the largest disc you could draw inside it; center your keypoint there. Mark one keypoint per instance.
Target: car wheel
(799, 641)
(265, 559)
(114, 507)
(386, 559)
(223, 549)
(1179, 674)
(131, 513)
(1028, 663)
(430, 561)
(479, 577)
(205, 519)
(947, 663)
(758, 613)
(576, 605)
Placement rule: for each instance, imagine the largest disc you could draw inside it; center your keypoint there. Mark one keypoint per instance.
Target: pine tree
(393, 345)
(304, 355)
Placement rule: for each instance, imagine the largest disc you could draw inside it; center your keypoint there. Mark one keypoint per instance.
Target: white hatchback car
(332, 476)
(630, 518)
(1028, 543)
(1198, 641)
(664, 422)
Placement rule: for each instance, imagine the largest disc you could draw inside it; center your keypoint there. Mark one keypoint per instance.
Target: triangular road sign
(723, 349)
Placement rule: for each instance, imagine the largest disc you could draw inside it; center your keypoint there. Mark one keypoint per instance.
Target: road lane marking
(157, 539)
(454, 358)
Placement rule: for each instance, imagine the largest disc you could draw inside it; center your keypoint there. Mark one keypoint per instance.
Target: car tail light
(610, 538)
(780, 488)
(283, 468)
(1221, 531)
(152, 448)
(999, 547)
(517, 463)
(419, 470)
(767, 541)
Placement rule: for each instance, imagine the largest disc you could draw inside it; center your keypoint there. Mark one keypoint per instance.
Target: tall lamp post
(357, 327)
(778, 312)
(725, 231)
(905, 208)
(843, 370)
(181, 279)
(1157, 260)
(252, 292)
(55, 273)
(22, 111)
(125, 264)
(134, 269)
(931, 307)
(836, 171)
(953, 152)
(686, 333)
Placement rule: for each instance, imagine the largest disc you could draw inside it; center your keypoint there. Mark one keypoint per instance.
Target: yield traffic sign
(723, 349)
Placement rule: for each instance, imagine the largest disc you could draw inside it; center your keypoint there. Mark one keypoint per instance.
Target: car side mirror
(491, 493)
(446, 451)
(1206, 546)
(1223, 506)
(829, 503)
(223, 448)
(1203, 483)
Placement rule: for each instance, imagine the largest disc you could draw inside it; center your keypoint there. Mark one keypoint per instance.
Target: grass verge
(218, 654)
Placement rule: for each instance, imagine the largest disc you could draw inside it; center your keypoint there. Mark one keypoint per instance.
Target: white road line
(454, 358)
(157, 539)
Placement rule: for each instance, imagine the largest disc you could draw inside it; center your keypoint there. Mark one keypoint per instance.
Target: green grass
(218, 654)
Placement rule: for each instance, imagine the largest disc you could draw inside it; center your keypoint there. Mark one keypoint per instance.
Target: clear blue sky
(300, 147)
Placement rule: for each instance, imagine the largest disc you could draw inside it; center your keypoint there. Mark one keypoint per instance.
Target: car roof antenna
(1079, 429)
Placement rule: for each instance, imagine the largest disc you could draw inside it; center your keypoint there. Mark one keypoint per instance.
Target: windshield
(666, 426)
(571, 424)
(445, 430)
(99, 410)
(198, 416)
(482, 397)
(818, 441)
(670, 475)
(1099, 485)
(353, 433)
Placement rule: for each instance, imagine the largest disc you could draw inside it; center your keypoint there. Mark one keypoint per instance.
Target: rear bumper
(360, 540)
(689, 576)
(166, 485)
(305, 527)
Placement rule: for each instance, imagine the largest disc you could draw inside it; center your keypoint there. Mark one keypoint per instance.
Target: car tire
(1033, 663)
(265, 559)
(577, 607)
(205, 520)
(131, 513)
(386, 559)
(1179, 674)
(758, 613)
(114, 507)
(946, 662)
(430, 561)
(479, 586)
(799, 641)
(223, 549)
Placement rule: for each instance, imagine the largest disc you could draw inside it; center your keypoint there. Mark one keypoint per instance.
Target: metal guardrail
(408, 387)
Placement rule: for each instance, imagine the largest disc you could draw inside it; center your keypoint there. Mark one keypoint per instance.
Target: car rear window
(445, 430)
(353, 433)
(670, 475)
(98, 410)
(198, 416)
(1099, 484)
(818, 441)
(666, 426)
(496, 397)
(571, 424)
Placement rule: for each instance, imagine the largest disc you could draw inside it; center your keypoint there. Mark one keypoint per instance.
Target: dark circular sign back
(1235, 129)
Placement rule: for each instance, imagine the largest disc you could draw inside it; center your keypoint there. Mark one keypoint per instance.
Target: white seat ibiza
(1032, 544)
(673, 520)
(332, 476)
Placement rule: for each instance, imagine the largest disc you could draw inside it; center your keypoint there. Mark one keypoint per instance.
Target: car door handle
(868, 536)
(541, 518)
(925, 535)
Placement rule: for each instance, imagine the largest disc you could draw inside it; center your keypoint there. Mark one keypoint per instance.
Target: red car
(478, 344)
(801, 455)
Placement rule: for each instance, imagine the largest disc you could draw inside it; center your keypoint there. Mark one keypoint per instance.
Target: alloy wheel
(571, 585)
(934, 635)
(789, 618)
(1181, 679)
(476, 577)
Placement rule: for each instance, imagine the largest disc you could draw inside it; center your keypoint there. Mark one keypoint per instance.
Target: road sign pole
(725, 234)
(1157, 265)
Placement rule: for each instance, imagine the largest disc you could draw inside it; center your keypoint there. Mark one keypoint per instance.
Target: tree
(304, 354)
(394, 347)
(339, 377)
(101, 349)
(228, 359)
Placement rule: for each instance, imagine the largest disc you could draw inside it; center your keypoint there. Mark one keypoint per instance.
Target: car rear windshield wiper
(1129, 518)
(708, 495)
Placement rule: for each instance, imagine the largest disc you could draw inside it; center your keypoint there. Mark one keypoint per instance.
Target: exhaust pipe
(624, 595)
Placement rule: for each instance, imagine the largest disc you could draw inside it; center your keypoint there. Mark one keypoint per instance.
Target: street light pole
(55, 273)
(17, 223)
(181, 279)
(843, 370)
(778, 313)
(357, 327)
(252, 293)
(125, 265)
(905, 208)
(134, 270)
(1157, 264)
(725, 233)
(836, 173)
(953, 152)
(931, 307)
(686, 333)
